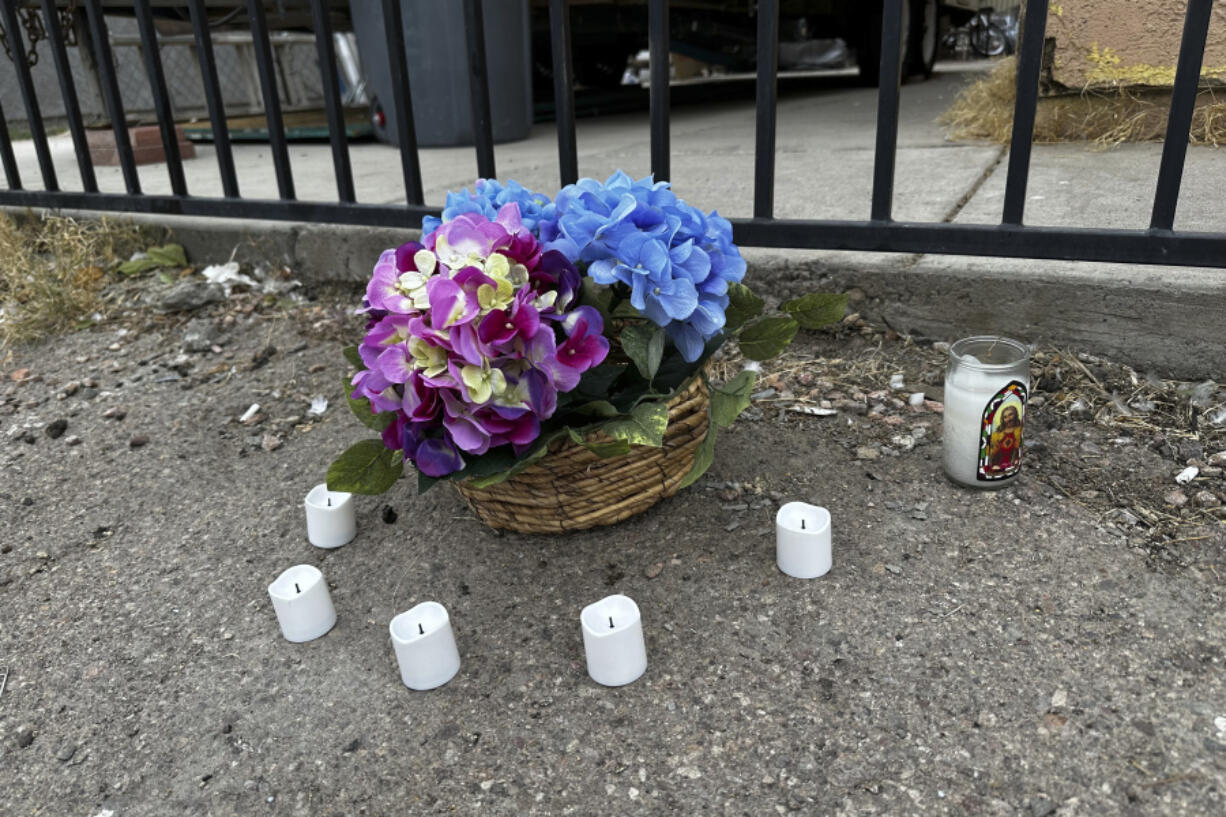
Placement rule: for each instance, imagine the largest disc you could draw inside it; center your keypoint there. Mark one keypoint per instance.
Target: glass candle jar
(987, 383)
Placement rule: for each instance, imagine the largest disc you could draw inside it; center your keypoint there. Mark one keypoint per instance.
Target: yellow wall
(1110, 43)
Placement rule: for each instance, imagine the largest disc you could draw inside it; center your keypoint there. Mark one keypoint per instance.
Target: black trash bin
(437, 54)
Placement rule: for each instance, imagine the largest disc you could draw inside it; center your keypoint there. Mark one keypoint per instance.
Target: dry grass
(52, 271)
(984, 110)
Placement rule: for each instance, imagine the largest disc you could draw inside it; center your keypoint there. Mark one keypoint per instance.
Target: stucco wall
(1105, 43)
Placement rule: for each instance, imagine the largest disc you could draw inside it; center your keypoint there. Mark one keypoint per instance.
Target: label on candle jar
(1000, 434)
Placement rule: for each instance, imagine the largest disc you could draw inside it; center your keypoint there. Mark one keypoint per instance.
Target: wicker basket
(572, 489)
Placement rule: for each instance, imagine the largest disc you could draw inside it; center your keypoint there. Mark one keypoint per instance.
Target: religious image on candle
(1000, 435)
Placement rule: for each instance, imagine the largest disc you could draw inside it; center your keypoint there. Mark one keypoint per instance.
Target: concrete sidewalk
(1161, 318)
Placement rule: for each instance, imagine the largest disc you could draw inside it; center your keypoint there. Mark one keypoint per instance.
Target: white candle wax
(425, 646)
(303, 605)
(802, 540)
(613, 641)
(967, 391)
(330, 517)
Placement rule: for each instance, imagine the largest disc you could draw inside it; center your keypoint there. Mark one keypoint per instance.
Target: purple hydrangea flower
(471, 336)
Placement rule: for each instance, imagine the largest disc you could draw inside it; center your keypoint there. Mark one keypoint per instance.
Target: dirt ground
(1051, 648)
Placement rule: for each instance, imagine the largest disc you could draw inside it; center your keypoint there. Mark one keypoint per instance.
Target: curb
(1161, 319)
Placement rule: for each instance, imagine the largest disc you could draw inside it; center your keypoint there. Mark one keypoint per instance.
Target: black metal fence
(1160, 244)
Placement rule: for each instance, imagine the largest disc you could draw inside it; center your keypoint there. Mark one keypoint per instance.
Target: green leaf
(362, 410)
(598, 408)
(171, 255)
(704, 456)
(817, 309)
(355, 359)
(597, 295)
(767, 337)
(596, 382)
(743, 305)
(365, 468)
(616, 448)
(625, 309)
(644, 345)
(137, 265)
(730, 399)
(165, 277)
(644, 426)
(494, 478)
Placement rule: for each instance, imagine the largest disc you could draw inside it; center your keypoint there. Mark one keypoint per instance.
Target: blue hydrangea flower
(536, 210)
(676, 261)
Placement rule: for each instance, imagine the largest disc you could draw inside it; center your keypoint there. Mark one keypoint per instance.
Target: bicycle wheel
(987, 40)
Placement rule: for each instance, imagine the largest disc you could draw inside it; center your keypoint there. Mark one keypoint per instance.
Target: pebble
(1211, 471)
(271, 442)
(20, 375)
(89, 393)
(72, 439)
(897, 382)
(316, 368)
(916, 400)
(138, 441)
(1218, 460)
(263, 356)
(389, 515)
(189, 295)
(1208, 499)
(200, 335)
(867, 452)
(653, 570)
(70, 388)
(115, 413)
(56, 428)
(895, 569)
(1176, 498)
(1187, 475)
(65, 751)
(904, 442)
(24, 735)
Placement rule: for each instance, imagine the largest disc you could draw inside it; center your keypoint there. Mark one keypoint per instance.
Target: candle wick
(802, 524)
(420, 630)
(610, 622)
(329, 502)
(296, 587)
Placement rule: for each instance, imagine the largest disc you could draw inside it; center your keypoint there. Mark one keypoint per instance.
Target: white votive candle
(802, 540)
(303, 605)
(613, 641)
(425, 646)
(987, 384)
(330, 517)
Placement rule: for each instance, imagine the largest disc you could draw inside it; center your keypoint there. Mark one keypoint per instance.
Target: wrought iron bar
(658, 45)
(1179, 122)
(110, 95)
(563, 91)
(393, 24)
(1025, 105)
(213, 98)
(479, 88)
(11, 173)
(767, 103)
(332, 101)
(272, 100)
(889, 84)
(161, 97)
(34, 117)
(68, 91)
